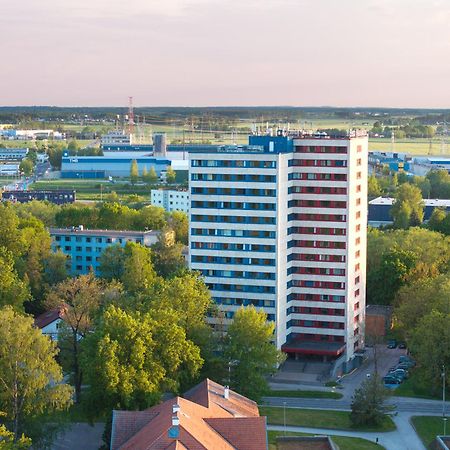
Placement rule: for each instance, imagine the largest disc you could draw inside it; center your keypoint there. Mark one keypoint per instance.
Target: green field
(409, 146)
(428, 427)
(344, 442)
(315, 418)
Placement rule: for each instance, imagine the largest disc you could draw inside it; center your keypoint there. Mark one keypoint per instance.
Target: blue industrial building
(84, 247)
(111, 164)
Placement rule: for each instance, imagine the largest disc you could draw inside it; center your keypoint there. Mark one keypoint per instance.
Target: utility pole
(443, 400)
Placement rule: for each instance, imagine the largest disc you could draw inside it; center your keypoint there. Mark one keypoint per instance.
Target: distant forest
(21, 114)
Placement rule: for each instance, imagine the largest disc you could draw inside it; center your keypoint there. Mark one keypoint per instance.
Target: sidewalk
(404, 438)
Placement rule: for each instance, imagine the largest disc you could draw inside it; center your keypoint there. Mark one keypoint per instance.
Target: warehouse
(111, 164)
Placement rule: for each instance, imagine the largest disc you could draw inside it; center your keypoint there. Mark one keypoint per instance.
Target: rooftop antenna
(130, 116)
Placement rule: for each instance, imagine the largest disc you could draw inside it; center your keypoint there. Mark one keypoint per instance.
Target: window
(358, 175)
(358, 188)
(357, 241)
(357, 253)
(358, 162)
(358, 228)
(358, 201)
(357, 295)
(358, 214)
(357, 267)
(67, 238)
(356, 280)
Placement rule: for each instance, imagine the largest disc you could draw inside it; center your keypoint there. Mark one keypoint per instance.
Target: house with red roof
(207, 417)
(49, 322)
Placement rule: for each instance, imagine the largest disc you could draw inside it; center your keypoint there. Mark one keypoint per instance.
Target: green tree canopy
(368, 403)
(132, 358)
(373, 189)
(250, 351)
(80, 299)
(134, 172)
(170, 175)
(407, 209)
(30, 379)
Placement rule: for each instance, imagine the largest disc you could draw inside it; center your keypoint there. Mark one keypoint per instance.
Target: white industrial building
(281, 224)
(170, 200)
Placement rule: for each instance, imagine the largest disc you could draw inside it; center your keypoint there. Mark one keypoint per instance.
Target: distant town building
(86, 246)
(380, 210)
(9, 169)
(13, 154)
(116, 137)
(59, 197)
(25, 135)
(421, 165)
(281, 224)
(209, 416)
(170, 200)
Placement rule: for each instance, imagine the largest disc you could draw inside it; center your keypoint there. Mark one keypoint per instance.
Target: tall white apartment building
(281, 224)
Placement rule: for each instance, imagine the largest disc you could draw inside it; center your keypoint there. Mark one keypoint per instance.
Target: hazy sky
(225, 52)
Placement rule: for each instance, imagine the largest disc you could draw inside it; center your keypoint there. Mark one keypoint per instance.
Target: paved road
(81, 436)
(402, 404)
(404, 438)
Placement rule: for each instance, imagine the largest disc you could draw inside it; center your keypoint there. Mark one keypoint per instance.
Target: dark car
(402, 345)
(392, 344)
(391, 380)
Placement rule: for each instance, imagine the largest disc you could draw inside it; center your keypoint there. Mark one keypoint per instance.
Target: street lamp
(443, 399)
(284, 417)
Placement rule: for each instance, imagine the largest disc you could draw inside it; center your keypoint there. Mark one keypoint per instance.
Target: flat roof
(112, 233)
(431, 202)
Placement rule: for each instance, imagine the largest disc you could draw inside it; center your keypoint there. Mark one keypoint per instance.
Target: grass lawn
(410, 146)
(316, 418)
(344, 443)
(304, 394)
(414, 386)
(428, 427)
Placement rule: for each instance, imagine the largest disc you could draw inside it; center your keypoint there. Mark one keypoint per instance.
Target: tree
(144, 173)
(408, 206)
(170, 175)
(132, 358)
(396, 265)
(80, 299)
(7, 441)
(73, 146)
(26, 166)
(179, 222)
(152, 176)
(138, 272)
(168, 259)
(368, 406)
(13, 291)
(150, 218)
(436, 220)
(250, 350)
(112, 262)
(113, 197)
(373, 189)
(56, 267)
(430, 343)
(134, 172)
(31, 385)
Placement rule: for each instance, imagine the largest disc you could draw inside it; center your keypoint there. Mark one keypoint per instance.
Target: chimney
(174, 430)
(226, 392)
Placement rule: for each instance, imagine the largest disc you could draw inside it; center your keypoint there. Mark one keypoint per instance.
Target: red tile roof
(48, 317)
(207, 421)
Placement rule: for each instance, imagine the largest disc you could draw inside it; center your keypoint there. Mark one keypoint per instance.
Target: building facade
(59, 197)
(170, 200)
(281, 224)
(115, 137)
(85, 247)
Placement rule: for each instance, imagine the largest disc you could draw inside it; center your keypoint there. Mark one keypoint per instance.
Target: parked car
(404, 359)
(404, 366)
(403, 374)
(392, 343)
(390, 379)
(402, 345)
